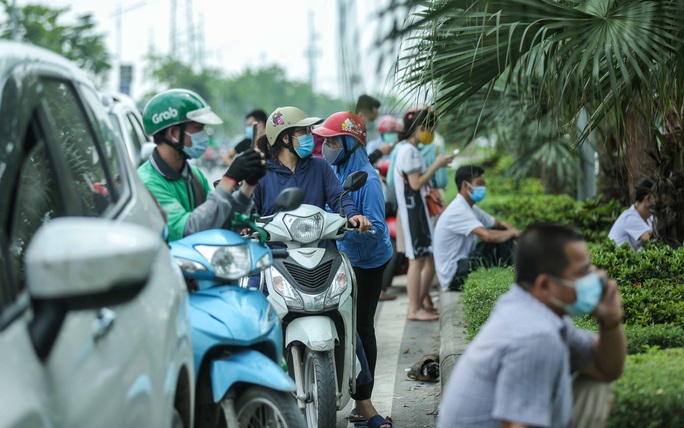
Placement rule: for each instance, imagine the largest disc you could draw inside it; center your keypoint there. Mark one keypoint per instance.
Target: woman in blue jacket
(369, 254)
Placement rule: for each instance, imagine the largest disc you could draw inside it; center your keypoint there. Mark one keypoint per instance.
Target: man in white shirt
(457, 251)
(635, 225)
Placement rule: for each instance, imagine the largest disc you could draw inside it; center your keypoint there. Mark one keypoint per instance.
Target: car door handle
(103, 323)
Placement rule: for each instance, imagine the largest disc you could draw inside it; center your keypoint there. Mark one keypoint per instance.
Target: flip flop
(422, 315)
(377, 421)
(355, 417)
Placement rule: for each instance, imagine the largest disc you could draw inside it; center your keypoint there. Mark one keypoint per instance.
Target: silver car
(94, 315)
(127, 122)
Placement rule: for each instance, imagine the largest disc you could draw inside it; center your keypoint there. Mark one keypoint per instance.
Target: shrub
(650, 392)
(655, 260)
(642, 338)
(480, 291)
(592, 217)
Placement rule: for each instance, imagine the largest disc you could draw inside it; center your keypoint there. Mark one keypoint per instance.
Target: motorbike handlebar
(279, 253)
(356, 229)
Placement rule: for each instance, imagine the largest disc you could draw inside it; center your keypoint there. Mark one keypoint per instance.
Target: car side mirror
(355, 181)
(289, 199)
(84, 263)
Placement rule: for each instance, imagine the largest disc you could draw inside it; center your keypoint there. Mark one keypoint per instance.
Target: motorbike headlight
(264, 262)
(189, 266)
(305, 229)
(229, 262)
(285, 289)
(340, 283)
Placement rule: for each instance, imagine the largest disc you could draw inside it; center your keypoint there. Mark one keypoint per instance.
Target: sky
(237, 34)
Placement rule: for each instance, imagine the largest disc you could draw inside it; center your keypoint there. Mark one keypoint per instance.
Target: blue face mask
(589, 290)
(249, 132)
(478, 193)
(306, 145)
(200, 142)
(390, 137)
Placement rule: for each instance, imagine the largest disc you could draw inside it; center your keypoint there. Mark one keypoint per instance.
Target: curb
(452, 333)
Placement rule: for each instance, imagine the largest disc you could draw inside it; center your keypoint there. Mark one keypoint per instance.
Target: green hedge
(654, 315)
(650, 393)
(593, 217)
(480, 291)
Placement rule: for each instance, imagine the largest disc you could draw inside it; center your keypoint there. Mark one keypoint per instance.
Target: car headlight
(340, 282)
(229, 262)
(189, 266)
(285, 289)
(305, 229)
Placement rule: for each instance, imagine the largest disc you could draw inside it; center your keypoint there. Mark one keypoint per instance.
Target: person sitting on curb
(529, 366)
(635, 225)
(457, 252)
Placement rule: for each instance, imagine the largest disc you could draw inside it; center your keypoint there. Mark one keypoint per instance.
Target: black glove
(257, 174)
(244, 165)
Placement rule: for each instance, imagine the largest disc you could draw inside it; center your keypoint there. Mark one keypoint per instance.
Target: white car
(127, 122)
(94, 322)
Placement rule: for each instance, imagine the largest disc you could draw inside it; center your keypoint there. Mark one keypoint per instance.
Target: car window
(115, 122)
(77, 145)
(35, 203)
(135, 137)
(113, 153)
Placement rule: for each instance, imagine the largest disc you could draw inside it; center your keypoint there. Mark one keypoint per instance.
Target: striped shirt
(518, 368)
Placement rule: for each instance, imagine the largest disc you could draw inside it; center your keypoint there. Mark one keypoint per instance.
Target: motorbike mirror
(355, 181)
(289, 199)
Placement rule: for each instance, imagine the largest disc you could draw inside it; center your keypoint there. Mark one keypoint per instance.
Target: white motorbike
(313, 291)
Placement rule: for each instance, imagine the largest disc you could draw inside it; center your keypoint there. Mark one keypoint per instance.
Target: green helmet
(176, 106)
(284, 118)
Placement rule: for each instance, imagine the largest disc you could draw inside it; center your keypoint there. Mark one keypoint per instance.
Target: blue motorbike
(236, 333)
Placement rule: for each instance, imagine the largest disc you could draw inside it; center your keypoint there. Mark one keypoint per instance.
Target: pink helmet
(388, 124)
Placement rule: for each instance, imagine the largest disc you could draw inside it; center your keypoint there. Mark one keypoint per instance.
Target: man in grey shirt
(528, 360)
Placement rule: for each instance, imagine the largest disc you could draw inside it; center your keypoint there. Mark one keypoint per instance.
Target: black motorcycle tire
(319, 382)
(260, 407)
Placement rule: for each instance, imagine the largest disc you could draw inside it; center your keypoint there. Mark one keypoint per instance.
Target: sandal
(355, 417)
(431, 373)
(377, 421)
(422, 315)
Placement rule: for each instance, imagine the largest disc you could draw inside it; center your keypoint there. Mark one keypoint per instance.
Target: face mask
(589, 290)
(200, 142)
(390, 137)
(332, 156)
(478, 193)
(427, 137)
(249, 132)
(306, 145)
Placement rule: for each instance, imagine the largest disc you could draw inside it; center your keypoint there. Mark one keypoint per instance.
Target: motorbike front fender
(317, 333)
(249, 367)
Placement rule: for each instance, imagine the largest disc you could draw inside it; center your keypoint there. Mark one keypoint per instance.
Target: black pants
(369, 285)
(486, 255)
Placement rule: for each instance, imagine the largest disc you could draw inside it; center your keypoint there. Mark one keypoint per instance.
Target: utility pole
(172, 28)
(125, 76)
(15, 24)
(311, 53)
(190, 28)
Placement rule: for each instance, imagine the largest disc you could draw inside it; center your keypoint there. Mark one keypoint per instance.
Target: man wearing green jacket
(176, 120)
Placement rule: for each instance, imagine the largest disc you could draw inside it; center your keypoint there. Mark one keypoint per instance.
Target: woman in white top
(411, 178)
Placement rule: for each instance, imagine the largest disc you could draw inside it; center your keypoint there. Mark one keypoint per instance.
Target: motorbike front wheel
(319, 385)
(262, 407)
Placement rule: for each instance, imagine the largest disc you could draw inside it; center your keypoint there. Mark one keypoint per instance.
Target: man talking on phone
(529, 366)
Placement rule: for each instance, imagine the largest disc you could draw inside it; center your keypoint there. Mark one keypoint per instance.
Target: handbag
(435, 202)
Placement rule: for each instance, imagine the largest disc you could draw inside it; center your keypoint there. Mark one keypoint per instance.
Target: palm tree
(620, 60)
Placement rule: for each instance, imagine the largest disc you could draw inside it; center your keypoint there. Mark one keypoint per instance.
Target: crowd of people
(516, 384)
